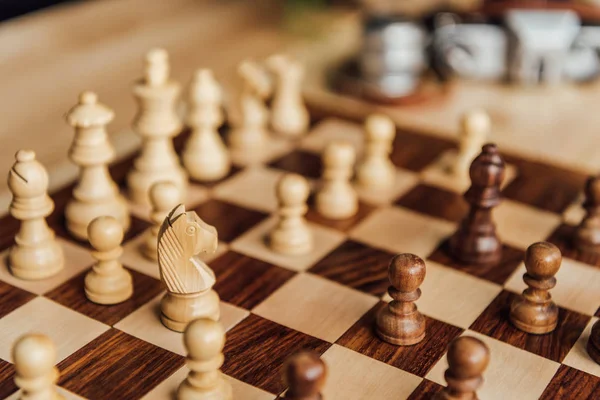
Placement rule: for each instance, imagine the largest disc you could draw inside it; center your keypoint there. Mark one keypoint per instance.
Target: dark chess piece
(476, 242)
(467, 358)
(400, 322)
(587, 236)
(305, 377)
(534, 311)
(593, 344)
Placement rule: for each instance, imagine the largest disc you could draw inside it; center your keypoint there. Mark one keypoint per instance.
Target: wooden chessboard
(274, 306)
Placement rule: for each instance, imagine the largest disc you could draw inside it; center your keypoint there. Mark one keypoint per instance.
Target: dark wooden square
(343, 225)
(415, 151)
(246, 281)
(7, 379)
(116, 365)
(71, 294)
(544, 186)
(435, 202)
(358, 266)
(256, 349)
(12, 298)
(563, 236)
(417, 359)
(570, 383)
(8, 229)
(497, 273)
(230, 220)
(301, 162)
(426, 390)
(495, 322)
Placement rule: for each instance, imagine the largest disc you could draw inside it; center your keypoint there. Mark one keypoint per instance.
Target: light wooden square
(252, 188)
(145, 324)
(62, 391)
(520, 225)
(453, 296)
(133, 258)
(168, 388)
(402, 231)
(578, 357)
(196, 194)
(439, 174)
(68, 329)
(405, 180)
(333, 129)
(275, 148)
(77, 259)
(512, 373)
(354, 376)
(254, 244)
(576, 286)
(316, 306)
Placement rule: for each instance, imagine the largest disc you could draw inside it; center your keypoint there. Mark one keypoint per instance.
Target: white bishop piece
(376, 171)
(36, 254)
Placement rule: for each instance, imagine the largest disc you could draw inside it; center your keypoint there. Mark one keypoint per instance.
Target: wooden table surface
(48, 57)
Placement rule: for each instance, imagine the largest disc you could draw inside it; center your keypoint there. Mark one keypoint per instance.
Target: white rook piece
(34, 356)
(108, 282)
(292, 235)
(474, 133)
(249, 134)
(204, 340)
(376, 171)
(36, 254)
(164, 196)
(156, 123)
(205, 156)
(337, 199)
(289, 116)
(95, 193)
(183, 235)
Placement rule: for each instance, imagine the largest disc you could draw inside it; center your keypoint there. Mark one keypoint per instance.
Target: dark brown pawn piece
(305, 376)
(467, 358)
(587, 236)
(476, 242)
(534, 311)
(593, 344)
(400, 322)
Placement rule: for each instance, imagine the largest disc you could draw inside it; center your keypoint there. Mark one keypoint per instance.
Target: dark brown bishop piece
(305, 376)
(476, 242)
(534, 311)
(587, 236)
(593, 345)
(400, 322)
(467, 358)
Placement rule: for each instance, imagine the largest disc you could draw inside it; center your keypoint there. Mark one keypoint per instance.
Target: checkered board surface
(274, 306)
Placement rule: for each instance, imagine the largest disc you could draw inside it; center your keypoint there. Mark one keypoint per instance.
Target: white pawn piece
(164, 196)
(249, 135)
(34, 356)
(36, 254)
(204, 340)
(337, 199)
(108, 282)
(291, 235)
(289, 116)
(95, 193)
(475, 131)
(156, 123)
(376, 172)
(189, 281)
(205, 156)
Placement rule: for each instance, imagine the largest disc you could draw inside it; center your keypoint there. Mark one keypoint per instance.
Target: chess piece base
(140, 182)
(222, 391)
(536, 319)
(481, 251)
(78, 214)
(105, 290)
(206, 161)
(294, 243)
(411, 326)
(593, 344)
(338, 206)
(41, 262)
(177, 310)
